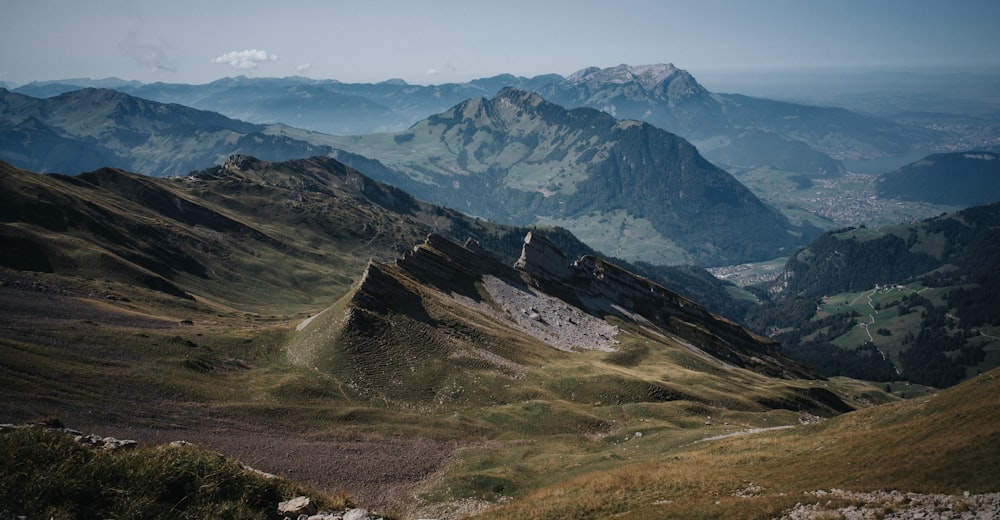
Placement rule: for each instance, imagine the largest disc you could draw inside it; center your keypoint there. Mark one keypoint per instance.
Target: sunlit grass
(912, 445)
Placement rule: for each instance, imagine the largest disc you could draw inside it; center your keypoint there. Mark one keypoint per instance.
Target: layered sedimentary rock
(589, 286)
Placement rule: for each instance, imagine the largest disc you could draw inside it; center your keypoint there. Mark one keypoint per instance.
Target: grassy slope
(541, 416)
(569, 421)
(947, 443)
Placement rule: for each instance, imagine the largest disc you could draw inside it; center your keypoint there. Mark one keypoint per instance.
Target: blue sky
(439, 41)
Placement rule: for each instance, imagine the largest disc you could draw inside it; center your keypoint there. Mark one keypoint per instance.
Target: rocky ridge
(565, 303)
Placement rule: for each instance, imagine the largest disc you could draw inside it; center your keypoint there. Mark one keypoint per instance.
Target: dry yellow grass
(948, 443)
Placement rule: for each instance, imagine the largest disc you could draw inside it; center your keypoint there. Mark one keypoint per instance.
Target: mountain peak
(646, 75)
(397, 82)
(515, 97)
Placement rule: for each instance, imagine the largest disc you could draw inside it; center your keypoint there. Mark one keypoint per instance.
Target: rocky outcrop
(439, 258)
(603, 288)
(542, 260)
(547, 296)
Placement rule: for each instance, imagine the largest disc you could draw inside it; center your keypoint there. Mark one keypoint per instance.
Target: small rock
(300, 505)
(356, 514)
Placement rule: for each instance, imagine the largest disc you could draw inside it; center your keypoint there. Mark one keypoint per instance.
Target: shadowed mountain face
(956, 179)
(317, 217)
(518, 158)
(290, 224)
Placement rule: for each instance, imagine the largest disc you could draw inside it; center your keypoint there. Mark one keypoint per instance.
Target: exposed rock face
(603, 288)
(468, 260)
(896, 504)
(541, 259)
(242, 163)
(548, 297)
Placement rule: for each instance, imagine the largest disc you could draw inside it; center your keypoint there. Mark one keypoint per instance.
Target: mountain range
(725, 127)
(307, 319)
(627, 188)
(236, 231)
(304, 288)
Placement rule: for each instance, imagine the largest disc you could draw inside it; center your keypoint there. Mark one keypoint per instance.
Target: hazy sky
(438, 41)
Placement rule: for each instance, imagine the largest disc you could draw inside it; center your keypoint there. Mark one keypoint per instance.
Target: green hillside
(93, 128)
(915, 301)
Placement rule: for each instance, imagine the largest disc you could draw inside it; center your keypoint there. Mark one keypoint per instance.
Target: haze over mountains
(804, 138)
(517, 178)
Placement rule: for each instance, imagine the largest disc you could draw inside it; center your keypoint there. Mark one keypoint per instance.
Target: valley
(831, 203)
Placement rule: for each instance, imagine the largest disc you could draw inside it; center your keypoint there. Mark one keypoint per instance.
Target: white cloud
(303, 68)
(246, 60)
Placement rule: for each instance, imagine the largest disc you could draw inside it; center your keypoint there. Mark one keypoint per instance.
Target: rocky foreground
(301, 508)
(869, 505)
(899, 505)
